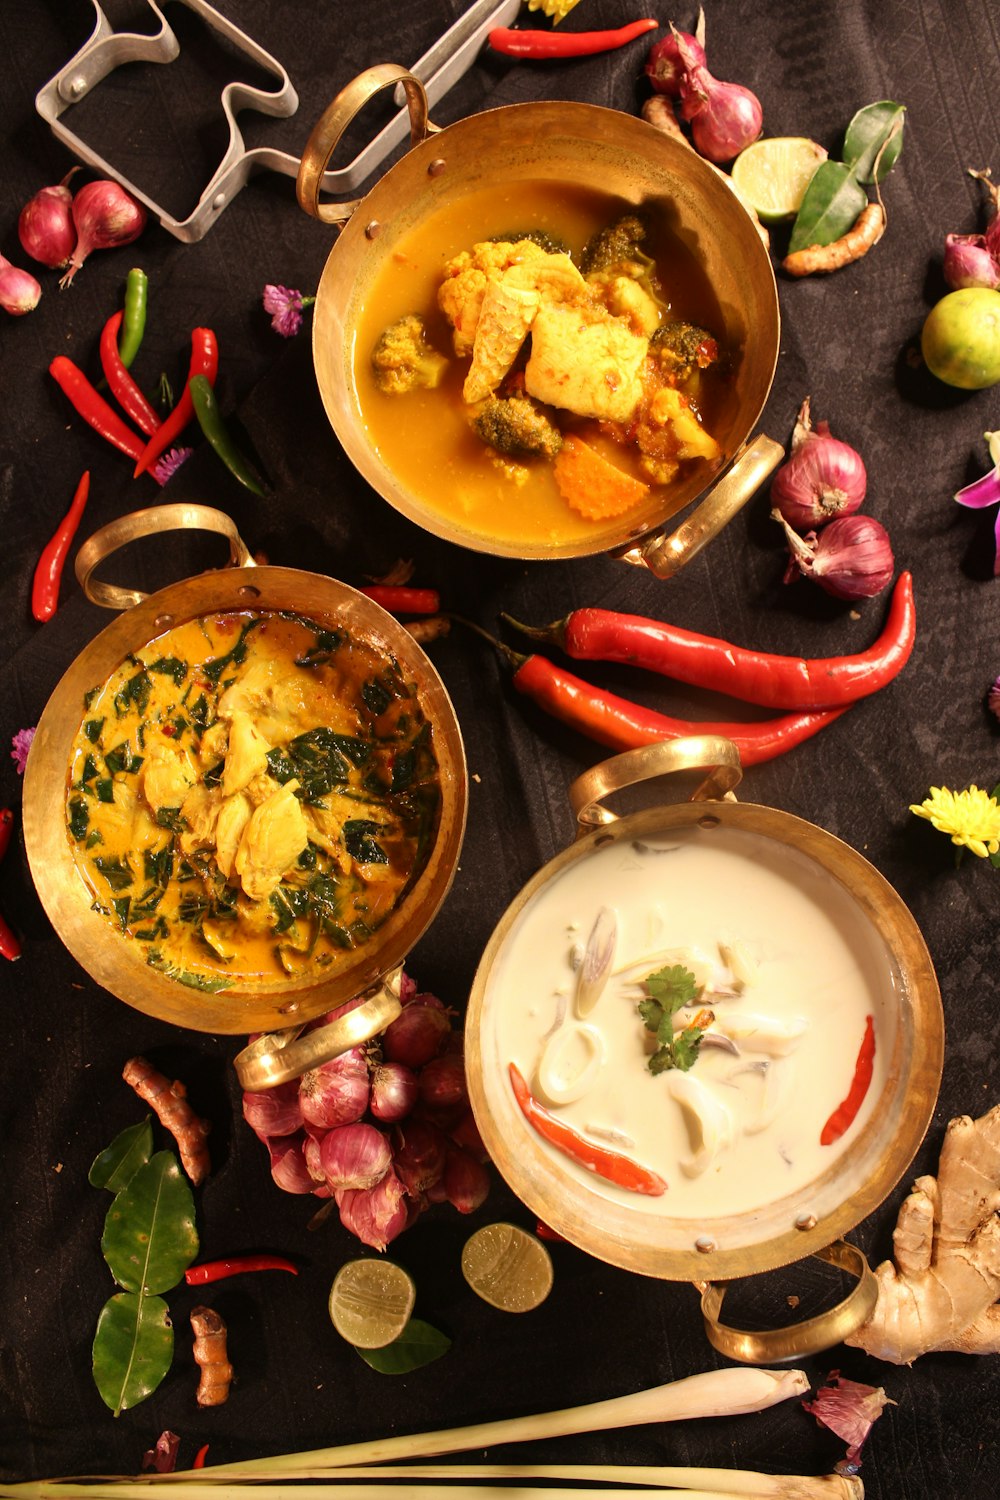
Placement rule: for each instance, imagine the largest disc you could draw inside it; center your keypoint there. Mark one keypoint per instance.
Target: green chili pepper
(206, 409)
(134, 321)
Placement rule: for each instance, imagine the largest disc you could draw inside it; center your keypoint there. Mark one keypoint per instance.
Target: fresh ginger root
(211, 1357)
(942, 1291)
(169, 1102)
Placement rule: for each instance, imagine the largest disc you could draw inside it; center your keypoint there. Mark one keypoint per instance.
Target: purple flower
(166, 467)
(993, 698)
(20, 745)
(285, 305)
(986, 491)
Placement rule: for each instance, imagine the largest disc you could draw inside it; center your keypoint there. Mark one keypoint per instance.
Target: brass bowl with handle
(715, 1247)
(579, 145)
(282, 1011)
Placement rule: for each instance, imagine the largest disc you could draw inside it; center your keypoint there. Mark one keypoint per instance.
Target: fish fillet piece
(508, 310)
(585, 361)
(272, 841)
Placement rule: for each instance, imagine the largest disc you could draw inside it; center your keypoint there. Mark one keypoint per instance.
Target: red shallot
(972, 260)
(664, 67)
(850, 558)
(274, 1111)
(823, 478)
(105, 216)
(335, 1093)
(418, 1155)
(288, 1164)
(466, 1181)
(354, 1156)
(45, 225)
(442, 1082)
(724, 117)
(376, 1214)
(394, 1092)
(417, 1034)
(19, 291)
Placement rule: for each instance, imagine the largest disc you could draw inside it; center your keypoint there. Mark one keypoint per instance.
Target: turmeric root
(211, 1357)
(169, 1102)
(942, 1291)
(867, 230)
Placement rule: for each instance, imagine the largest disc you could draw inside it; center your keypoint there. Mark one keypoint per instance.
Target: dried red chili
(845, 1114)
(237, 1265)
(610, 1165)
(10, 946)
(548, 44)
(92, 406)
(399, 599)
(120, 382)
(48, 570)
(200, 1456)
(771, 681)
(204, 361)
(622, 725)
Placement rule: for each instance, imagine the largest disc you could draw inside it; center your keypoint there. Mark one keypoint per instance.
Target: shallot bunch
(724, 117)
(972, 260)
(384, 1130)
(59, 229)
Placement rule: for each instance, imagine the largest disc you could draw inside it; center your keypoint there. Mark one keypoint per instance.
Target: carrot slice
(591, 485)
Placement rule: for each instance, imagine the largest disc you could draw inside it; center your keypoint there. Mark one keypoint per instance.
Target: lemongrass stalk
(716, 1393)
(197, 1489)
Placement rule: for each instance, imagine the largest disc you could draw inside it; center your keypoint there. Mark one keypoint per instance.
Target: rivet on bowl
(708, 821)
(373, 230)
(806, 1221)
(289, 1008)
(704, 1244)
(248, 591)
(605, 838)
(163, 622)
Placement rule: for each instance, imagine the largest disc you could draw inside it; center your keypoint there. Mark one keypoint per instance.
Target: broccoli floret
(539, 237)
(514, 424)
(614, 250)
(682, 348)
(404, 360)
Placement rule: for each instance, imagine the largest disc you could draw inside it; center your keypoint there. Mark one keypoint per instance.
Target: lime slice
(371, 1302)
(772, 175)
(508, 1267)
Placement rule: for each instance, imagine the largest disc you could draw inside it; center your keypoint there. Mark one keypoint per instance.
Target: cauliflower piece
(669, 407)
(585, 361)
(272, 841)
(234, 815)
(166, 775)
(628, 299)
(466, 277)
(404, 359)
(246, 756)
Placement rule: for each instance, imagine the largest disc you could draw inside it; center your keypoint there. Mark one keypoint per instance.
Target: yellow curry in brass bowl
(250, 796)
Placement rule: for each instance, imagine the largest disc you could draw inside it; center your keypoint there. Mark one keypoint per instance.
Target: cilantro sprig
(668, 990)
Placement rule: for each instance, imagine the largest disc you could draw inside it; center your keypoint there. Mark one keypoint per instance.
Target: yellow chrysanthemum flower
(971, 818)
(557, 9)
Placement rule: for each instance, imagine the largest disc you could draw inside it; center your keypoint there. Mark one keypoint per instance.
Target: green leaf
(119, 1162)
(874, 127)
(149, 1235)
(833, 200)
(673, 986)
(418, 1344)
(133, 1348)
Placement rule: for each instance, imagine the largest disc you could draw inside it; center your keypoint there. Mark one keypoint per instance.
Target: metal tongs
(106, 49)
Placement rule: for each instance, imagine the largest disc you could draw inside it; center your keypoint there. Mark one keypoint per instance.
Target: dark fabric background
(848, 342)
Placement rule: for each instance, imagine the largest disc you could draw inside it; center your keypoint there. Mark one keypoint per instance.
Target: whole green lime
(960, 340)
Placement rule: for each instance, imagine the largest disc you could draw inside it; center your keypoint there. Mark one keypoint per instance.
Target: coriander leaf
(673, 986)
(686, 1047)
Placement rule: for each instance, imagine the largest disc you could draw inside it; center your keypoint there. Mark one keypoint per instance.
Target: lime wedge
(508, 1267)
(772, 174)
(371, 1302)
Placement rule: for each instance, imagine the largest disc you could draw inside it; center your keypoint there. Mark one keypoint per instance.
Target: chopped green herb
(89, 771)
(359, 841)
(213, 775)
(669, 990)
(210, 984)
(121, 906)
(92, 729)
(214, 669)
(158, 864)
(133, 694)
(116, 871)
(122, 759)
(89, 696)
(170, 666)
(94, 838)
(105, 789)
(170, 817)
(79, 818)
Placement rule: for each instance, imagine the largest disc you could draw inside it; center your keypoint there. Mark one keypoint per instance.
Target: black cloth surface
(847, 342)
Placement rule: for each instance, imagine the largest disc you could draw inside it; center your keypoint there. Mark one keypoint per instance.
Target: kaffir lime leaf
(371, 1302)
(960, 340)
(508, 1267)
(772, 174)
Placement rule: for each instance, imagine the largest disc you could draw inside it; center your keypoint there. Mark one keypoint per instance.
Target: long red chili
(92, 406)
(759, 677)
(120, 382)
(622, 725)
(236, 1265)
(844, 1115)
(48, 570)
(611, 1165)
(204, 361)
(398, 598)
(514, 43)
(200, 1456)
(10, 946)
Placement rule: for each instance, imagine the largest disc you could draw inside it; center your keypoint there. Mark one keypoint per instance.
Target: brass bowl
(789, 1228)
(114, 962)
(561, 143)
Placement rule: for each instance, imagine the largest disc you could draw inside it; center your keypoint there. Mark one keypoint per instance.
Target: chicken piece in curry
(250, 796)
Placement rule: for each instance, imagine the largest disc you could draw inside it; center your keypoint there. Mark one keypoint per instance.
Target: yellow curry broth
(250, 796)
(424, 437)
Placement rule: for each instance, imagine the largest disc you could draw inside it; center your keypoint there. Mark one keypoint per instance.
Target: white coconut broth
(786, 962)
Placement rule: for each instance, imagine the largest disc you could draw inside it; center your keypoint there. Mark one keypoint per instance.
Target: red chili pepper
(398, 599)
(200, 1456)
(10, 947)
(123, 387)
(622, 725)
(237, 1265)
(546, 1232)
(204, 361)
(611, 1165)
(513, 43)
(92, 406)
(48, 570)
(844, 1115)
(752, 676)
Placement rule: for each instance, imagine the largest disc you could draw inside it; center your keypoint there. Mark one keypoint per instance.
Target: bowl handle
(697, 752)
(335, 119)
(796, 1340)
(665, 555)
(150, 522)
(280, 1056)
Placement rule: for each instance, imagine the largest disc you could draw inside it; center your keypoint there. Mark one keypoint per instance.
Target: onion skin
(45, 226)
(850, 559)
(19, 291)
(664, 66)
(968, 262)
(273, 1112)
(377, 1214)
